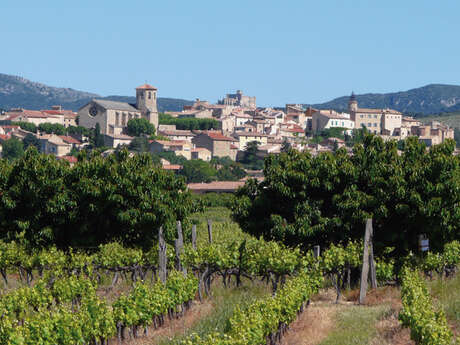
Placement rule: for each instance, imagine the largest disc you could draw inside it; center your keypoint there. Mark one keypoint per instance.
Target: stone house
(177, 134)
(115, 140)
(246, 137)
(201, 153)
(218, 144)
(179, 147)
(324, 119)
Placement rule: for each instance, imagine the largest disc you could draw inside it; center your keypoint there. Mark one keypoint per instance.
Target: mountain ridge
(19, 92)
(425, 100)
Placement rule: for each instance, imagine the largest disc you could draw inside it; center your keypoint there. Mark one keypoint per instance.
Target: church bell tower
(146, 102)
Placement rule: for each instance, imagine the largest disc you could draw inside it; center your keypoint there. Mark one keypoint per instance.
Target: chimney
(56, 107)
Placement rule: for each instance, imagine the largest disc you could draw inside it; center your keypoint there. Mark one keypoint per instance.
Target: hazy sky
(280, 51)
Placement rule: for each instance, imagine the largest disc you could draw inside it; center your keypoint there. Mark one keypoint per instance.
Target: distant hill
(429, 99)
(17, 92)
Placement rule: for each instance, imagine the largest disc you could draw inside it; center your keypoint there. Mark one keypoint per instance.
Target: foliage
(169, 156)
(189, 123)
(12, 149)
(251, 160)
(197, 170)
(140, 144)
(27, 126)
(457, 136)
(50, 128)
(306, 200)
(98, 200)
(138, 127)
(427, 325)
(215, 199)
(31, 140)
(97, 139)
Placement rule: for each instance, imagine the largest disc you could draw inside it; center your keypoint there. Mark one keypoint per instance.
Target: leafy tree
(197, 170)
(189, 123)
(78, 130)
(50, 128)
(251, 160)
(12, 149)
(232, 172)
(97, 139)
(27, 126)
(306, 200)
(140, 144)
(31, 140)
(138, 127)
(169, 156)
(99, 200)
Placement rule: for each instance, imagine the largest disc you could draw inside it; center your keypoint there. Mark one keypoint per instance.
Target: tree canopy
(12, 149)
(138, 127)
(98, 200)
(306, 200)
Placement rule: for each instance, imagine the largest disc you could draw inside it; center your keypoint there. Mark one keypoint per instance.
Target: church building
(113, 116)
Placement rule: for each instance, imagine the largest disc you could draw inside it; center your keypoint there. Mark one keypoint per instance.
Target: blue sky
(280, 51)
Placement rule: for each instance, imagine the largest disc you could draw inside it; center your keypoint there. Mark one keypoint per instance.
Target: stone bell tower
(146, 102)
(352, 103)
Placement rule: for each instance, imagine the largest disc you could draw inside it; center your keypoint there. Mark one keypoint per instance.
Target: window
(369, 124)
(361, 116)
(117, 119)
(124, 119)
(375, 125)
(375, 116)
(150, 95)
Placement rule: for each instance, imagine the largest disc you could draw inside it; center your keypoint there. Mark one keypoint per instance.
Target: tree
(12, 149)
(140, 144)
(97, 138)
(50, 128)
(99, 200)
(31, 140)
(138, 127)
(197, 170)
(232, 172)
(27, 126)
(251, 160)
(306, 200)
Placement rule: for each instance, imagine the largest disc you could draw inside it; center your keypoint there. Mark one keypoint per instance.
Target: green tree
(12, 149)
(31, 140)
(285, 146)
(97, 138)
(50, 128)
(140, 144)
(197, 170)
(27, 126)
(138, 127)
(251, 160)
(306, 200)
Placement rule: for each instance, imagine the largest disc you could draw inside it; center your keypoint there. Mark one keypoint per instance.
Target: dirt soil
(172, 327)
(315, 323)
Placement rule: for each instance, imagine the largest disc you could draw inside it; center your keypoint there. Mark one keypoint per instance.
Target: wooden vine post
(368, 263)
(179, 247)
(162, 259)
(210, 230)
(194, 236)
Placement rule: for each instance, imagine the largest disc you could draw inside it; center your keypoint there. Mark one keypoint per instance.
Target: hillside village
(239, 122)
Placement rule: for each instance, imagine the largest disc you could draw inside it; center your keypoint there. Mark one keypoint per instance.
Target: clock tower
(146, 102)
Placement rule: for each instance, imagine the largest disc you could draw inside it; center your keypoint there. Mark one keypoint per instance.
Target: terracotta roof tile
(146, 87)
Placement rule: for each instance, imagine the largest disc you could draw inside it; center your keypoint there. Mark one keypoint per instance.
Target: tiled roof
(177, 132)
(172, 167)
(250, 134)
(379, 111)
(331, 114)
(69, 139)
(172, 142)
(70, 159)
(198, 149)
(146, 87)
(123, 106)
(218, 136)
(4, 137)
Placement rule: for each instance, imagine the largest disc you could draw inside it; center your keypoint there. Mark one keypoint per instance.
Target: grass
(355, 325)
(446, 293)
(224, 301)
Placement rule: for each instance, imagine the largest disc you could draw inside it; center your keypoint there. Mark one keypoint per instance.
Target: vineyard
(156, 255)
